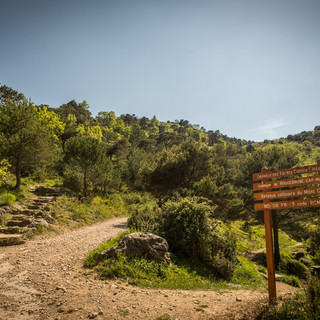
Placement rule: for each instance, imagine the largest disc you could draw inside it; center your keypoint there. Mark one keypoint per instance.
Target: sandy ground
(44, 279)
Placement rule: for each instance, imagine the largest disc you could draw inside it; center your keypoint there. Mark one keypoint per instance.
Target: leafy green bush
(291, 281)
(313, 298)
(189, 228)
(72, 180)
(303, 306)
(7, 199)
(144, 218)
(315, 245)
(293, 267)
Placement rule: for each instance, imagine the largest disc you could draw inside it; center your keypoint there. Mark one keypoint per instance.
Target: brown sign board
(280, 205)
(289, 193)
(285, 172)
(286, 183)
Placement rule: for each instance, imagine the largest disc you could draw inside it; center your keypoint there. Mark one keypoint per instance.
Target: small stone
(93, 315)
(61, 288)
(238, 299)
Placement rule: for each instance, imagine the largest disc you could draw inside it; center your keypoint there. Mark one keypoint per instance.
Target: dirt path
(44, 279)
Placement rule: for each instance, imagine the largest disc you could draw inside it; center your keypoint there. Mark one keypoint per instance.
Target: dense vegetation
(173, 178)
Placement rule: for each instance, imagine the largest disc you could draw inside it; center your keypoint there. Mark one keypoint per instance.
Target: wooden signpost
(265, 192)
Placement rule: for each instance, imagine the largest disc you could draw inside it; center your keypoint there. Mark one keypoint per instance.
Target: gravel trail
(44, 279)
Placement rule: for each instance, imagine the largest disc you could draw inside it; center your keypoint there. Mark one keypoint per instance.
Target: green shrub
(189, 228)
(291, 281)
(7, 199)
(144, 218)
(72, 180)
(303, 306)
(290, 309)
(313, 297)
(315, 245)
(293, 267)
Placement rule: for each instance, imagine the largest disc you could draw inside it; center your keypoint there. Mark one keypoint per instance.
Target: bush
(7, 199)
(315, 245)
(190, 230)
(72, 180)
(291, 281)
(144, 218)
(293, 267)
(313, 298)
(303, 306)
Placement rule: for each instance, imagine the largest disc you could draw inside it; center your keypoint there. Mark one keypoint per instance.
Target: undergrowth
(303, 306)
(70, 209)
(179, 273)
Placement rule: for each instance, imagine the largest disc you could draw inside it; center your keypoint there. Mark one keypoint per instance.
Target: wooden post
(269, 249)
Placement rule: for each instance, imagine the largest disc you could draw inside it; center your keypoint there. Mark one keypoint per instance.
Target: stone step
(39, 203)
(19, 222)
(13, 230)
(10, 239)
(35, 206)
(26, 212)
(43, 199)
(19, 217)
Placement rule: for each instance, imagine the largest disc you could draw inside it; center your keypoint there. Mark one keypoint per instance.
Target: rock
(305, 261)
(3, 210)
(140, 244)
(16, 207)
(93, 315)
(39, 222)
(45, 216)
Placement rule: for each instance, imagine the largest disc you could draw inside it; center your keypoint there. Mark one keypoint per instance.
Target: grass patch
(247, 274)
(92, 258)
(303, 306)
(154, 274)
(291, 281)
(251, 236)
(72, 211)
(176, 274)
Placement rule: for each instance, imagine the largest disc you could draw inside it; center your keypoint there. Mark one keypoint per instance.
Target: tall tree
(9, 93)
(180, 167)
(26, 137)
(83, 154)
(81, 111)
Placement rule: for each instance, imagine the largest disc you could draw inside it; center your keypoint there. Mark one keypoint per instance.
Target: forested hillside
(97, 155)
(176, 179)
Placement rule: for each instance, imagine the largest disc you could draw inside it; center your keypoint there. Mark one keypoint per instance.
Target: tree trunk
(85, 183)
(18, 174)
(276, 240)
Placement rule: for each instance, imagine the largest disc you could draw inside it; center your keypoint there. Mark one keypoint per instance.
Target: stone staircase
(24, 219)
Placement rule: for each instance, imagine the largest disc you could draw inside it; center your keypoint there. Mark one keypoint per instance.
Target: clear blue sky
(249, 68)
